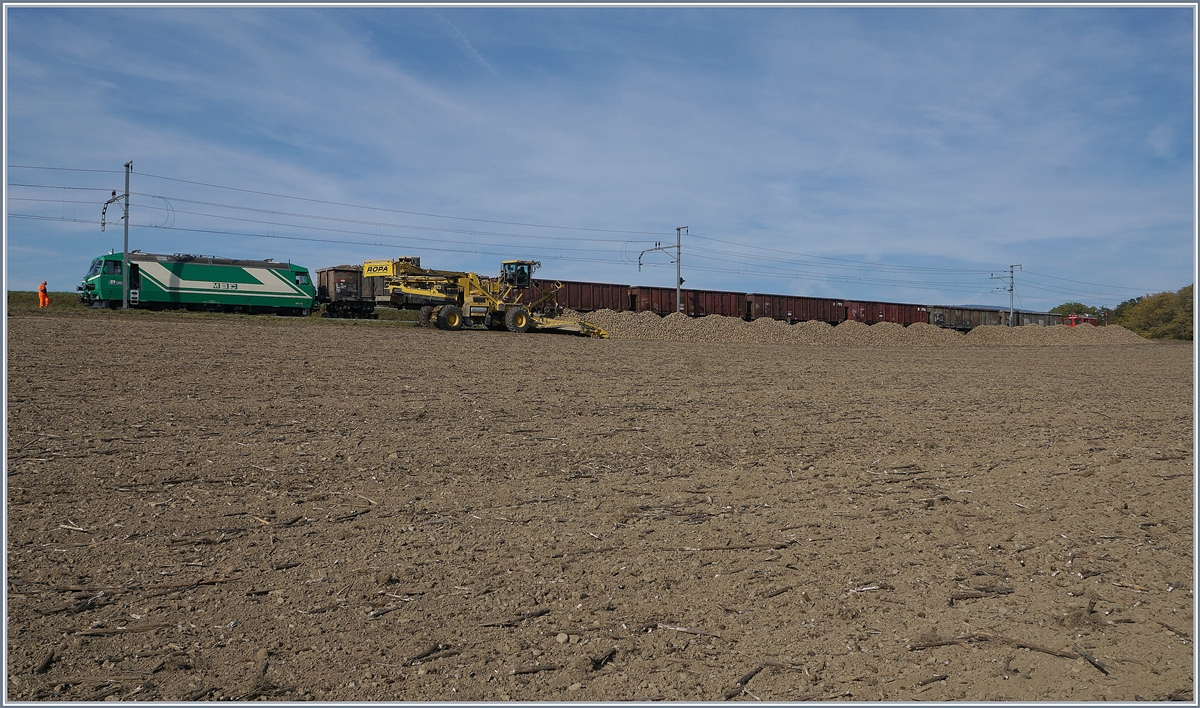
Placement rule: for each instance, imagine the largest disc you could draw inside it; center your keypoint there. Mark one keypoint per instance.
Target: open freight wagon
(795, 308)
(346, 293)
(575, 295)
(965, 319)
(694, 303)
(873, 312)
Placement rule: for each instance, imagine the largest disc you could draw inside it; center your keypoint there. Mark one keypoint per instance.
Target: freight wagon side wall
(652, 300)
(819, 308)
(588, 297)
(528, 295)
(579, 296)
(340, 283)
(373, 289)
(700, 303)
(795, 308)
(872, 312)
(964, 318)
(1044, 319)
(695, 303)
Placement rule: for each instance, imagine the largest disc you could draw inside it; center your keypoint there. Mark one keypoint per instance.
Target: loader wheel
(517, 319)
(449, 317)
(424, 315)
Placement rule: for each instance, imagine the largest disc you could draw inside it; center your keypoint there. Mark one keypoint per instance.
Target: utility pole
(678, 255)
(678, 274)
(1011, 281)
(125, 251)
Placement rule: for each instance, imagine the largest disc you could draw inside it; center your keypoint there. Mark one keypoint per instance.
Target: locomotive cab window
(112, 267)
(95, 269)
(302, 279)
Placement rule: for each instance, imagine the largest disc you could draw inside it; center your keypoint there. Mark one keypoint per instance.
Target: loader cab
(518, 274)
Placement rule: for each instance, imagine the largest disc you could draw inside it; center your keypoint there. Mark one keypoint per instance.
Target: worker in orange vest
(43, 297)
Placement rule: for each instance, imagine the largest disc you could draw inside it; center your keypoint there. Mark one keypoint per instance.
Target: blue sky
(899, 154)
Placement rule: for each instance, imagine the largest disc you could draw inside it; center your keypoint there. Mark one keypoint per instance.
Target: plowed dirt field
(207, 508)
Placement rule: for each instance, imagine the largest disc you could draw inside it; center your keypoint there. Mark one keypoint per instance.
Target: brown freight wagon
(346, 293)
(1045, 319)
(699, 303)
(964, 319)
(795, 308)
(579, 296)
(872, 312)
(694, 303)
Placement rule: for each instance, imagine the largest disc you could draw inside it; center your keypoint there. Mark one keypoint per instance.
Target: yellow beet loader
(453, 300)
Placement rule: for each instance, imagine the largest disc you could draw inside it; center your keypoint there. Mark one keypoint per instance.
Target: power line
(551, 255)
(768, 266)
(842, 260)
(317, 217)
(283, 224)
(884, 268)
(52, 186)
(403, 211)
(741, 267)
(782, 271)
(1084, 282)
(355, 206)
(365, 222)
(478, 249)
(917, 285)
(822, 277)
(63, 169)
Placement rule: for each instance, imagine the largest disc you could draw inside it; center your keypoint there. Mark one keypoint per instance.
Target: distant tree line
(1160, 316)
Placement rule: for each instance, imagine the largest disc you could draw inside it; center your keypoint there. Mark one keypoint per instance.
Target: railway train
(210, 283)
(207, 283)
(346, 292)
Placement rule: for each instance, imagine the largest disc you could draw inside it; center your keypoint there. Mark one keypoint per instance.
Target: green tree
(1074, 308)
(1123, 308)
(1161, 316)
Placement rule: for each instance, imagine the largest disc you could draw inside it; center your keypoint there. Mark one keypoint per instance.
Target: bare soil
(206, 508)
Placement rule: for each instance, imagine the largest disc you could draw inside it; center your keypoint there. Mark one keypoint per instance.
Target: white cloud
(951, 139)
(465, 45)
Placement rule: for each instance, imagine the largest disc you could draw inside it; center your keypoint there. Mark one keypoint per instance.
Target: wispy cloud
(964, 138)
(465, 45)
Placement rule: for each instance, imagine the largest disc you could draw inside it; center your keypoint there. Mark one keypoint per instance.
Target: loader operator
(43, 297)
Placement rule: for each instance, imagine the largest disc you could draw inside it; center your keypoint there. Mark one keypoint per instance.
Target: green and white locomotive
(205, 283)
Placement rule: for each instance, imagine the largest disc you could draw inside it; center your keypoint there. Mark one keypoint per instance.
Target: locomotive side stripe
(268, 283)
(287, 279)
